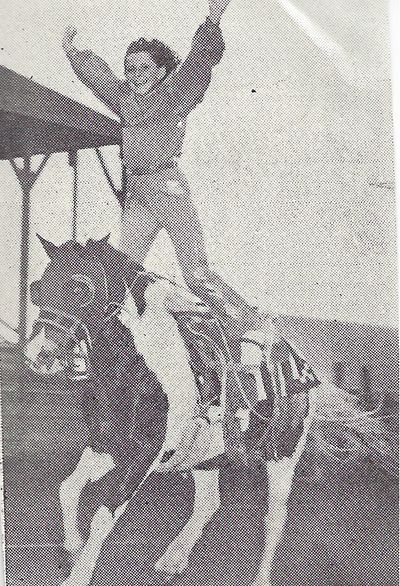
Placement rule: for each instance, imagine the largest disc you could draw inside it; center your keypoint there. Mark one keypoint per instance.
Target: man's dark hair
(161, 54)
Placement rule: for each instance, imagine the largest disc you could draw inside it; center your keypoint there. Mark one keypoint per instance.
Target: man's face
(142, 73)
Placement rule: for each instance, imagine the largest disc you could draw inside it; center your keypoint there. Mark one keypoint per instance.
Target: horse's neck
(114, 350)
(158, 340)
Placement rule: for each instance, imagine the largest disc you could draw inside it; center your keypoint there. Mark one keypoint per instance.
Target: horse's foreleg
(102, 524)
(280, 477)
(206, 503)
(90, 467)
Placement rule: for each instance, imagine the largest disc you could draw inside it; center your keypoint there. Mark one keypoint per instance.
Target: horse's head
(81, 287)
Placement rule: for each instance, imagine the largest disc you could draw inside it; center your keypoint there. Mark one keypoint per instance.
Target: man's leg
(138, 231)
(172, 205)
(186, 233)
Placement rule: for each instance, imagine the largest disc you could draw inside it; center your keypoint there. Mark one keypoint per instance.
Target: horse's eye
(79, 290)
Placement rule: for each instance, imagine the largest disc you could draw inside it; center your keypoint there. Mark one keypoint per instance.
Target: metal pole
(24, 255)
(119, 193)
(26, 177)
(73, 162)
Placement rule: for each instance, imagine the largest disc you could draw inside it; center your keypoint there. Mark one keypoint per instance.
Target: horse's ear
(103, 241)
(50, 248)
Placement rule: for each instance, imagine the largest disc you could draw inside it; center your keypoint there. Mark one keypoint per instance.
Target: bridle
(66, 322)
(76, 330)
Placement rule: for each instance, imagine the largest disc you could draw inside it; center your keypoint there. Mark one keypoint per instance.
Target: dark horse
(167, 386)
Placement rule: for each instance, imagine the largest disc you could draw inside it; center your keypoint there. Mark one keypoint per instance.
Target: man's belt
(137, 171)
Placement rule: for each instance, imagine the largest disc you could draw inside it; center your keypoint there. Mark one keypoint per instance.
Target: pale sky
(293, 182)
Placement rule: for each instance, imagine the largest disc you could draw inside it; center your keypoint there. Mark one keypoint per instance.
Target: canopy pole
(73, 162)
(26, 177)
(24, 253)
(119, 193)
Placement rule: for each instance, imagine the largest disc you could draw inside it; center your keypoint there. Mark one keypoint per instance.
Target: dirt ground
(341, 531)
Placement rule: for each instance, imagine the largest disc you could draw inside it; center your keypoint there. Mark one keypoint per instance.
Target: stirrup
(214, 297)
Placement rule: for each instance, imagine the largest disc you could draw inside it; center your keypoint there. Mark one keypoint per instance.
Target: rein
(69, 324)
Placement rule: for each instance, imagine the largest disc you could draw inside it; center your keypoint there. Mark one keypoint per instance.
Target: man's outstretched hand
(217, 8)
(68, 38)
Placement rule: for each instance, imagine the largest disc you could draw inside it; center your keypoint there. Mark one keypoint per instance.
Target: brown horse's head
(81, 287)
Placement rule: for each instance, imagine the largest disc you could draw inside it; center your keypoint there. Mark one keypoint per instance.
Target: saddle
(250, 428)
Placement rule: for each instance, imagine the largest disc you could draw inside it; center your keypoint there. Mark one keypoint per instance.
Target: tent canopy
(37, 120)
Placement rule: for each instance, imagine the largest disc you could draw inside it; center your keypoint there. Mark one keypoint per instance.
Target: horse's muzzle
(45, 361)
(61, 349)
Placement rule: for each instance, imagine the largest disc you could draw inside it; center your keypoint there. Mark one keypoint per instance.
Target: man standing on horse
(153, 103)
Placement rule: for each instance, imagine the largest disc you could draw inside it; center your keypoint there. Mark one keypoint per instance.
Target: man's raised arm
(93, 72)
(217, 9)
(193, 77)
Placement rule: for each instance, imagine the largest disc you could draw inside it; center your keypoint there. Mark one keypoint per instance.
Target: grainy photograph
(198, 284)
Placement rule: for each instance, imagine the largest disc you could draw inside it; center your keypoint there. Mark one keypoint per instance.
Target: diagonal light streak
(321, 39)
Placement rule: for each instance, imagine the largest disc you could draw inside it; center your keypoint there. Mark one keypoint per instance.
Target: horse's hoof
(64, 562)
(174, 561)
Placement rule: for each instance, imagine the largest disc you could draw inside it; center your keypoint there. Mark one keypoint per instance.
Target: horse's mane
(122, 273)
